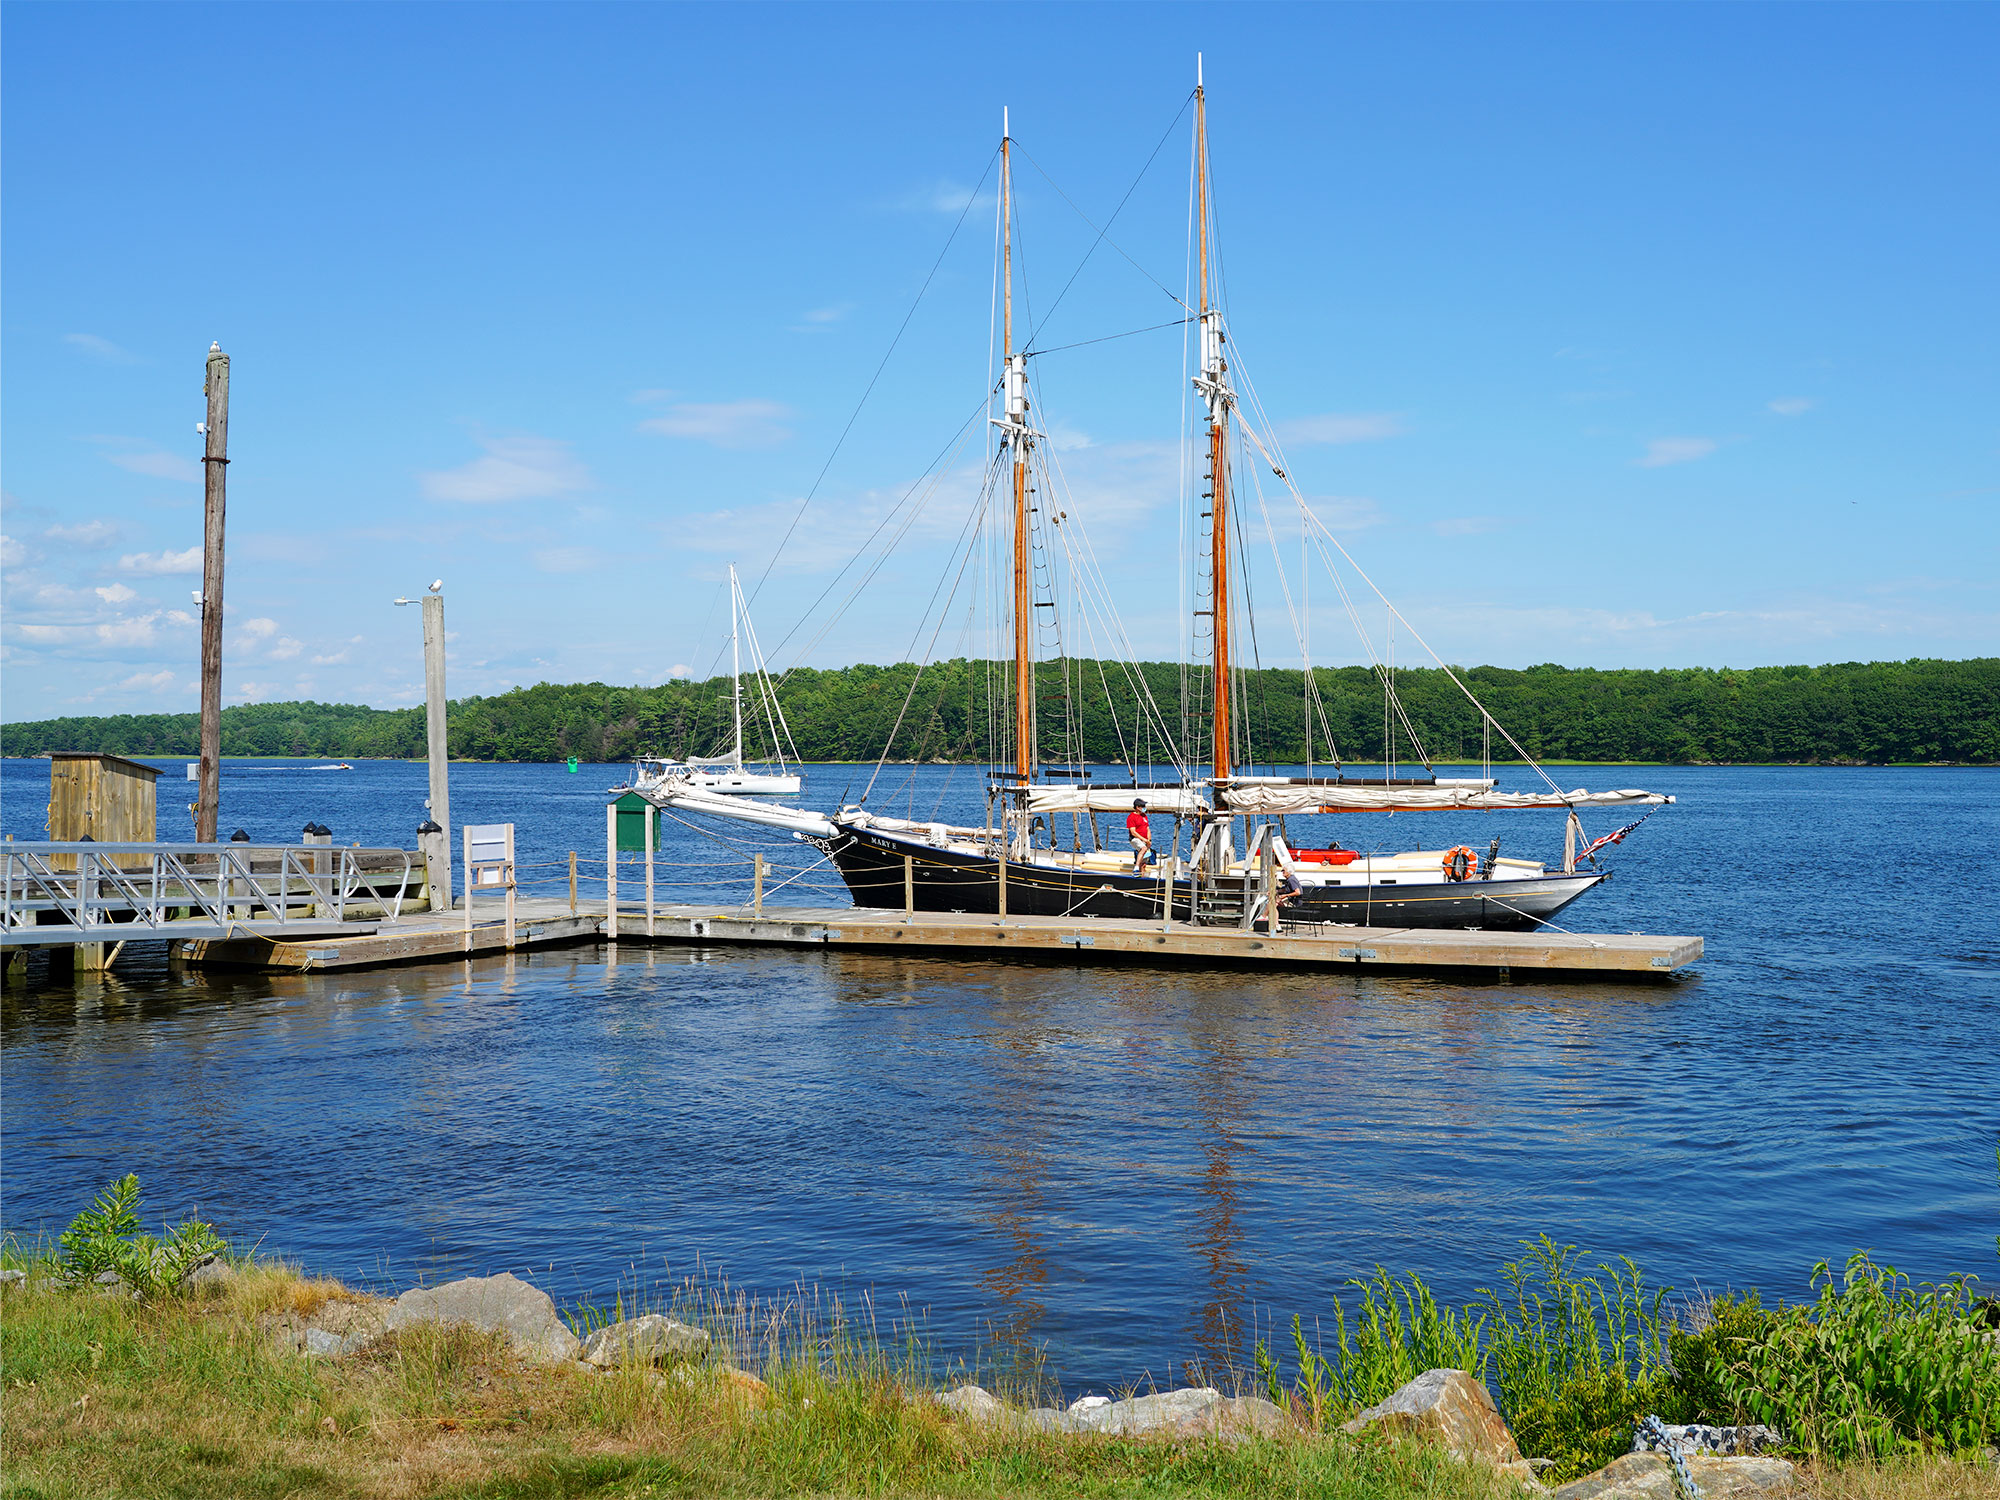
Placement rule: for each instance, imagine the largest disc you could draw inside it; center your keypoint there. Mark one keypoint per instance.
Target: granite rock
(1170, 1413)
(1447, 1407)
(502, 1304)
(1720, 1442)
(648, 1340)
(1647, 1476)
(974, 1403)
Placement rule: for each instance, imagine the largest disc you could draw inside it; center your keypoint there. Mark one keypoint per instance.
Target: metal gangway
(58, 894)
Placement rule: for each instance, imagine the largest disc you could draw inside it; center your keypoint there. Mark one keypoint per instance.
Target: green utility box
(632, 810)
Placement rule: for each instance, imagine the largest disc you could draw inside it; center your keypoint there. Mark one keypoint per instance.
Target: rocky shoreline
(1447, 1409)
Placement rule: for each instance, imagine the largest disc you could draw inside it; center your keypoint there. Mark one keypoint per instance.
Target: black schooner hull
(872, 863)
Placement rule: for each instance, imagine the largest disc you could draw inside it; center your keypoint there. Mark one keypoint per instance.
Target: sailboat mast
(1016, 428)
(1211, 383)
(736, 663)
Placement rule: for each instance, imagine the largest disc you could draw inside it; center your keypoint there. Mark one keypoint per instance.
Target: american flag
(1610, 838)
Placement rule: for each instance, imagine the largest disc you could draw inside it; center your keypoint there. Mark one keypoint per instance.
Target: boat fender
(1459, 863)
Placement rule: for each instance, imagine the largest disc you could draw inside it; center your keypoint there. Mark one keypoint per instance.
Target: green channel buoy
(572, 765)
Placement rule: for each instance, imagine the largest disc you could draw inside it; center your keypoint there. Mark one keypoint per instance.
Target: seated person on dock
(1141, 830)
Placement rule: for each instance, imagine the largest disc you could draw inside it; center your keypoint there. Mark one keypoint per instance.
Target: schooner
(1012, 864)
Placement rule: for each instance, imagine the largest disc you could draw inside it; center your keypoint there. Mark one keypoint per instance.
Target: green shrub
(106, 1238)
(1874, 1366)
(1588, 1420)
(1701, 1354)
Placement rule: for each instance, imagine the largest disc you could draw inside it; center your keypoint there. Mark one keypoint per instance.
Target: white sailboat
(727, 775)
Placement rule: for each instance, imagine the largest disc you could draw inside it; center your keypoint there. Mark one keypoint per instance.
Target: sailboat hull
(872, 864)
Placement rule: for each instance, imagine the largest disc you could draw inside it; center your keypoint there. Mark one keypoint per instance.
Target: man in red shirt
(1142, 835)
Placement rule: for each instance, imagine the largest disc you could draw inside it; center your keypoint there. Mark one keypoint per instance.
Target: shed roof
(118, 761)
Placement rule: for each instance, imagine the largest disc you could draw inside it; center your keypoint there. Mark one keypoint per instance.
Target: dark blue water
(1125, 1166)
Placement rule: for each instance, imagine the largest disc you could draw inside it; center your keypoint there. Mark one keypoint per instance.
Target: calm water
(1124, 1166)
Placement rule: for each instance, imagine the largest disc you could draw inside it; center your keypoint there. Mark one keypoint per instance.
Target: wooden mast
(1016, 427)
(1211, 382)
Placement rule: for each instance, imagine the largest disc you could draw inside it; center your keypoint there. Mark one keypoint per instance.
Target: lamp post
(435, 838)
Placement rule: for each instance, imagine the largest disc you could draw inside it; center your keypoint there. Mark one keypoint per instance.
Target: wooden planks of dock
(543, 923)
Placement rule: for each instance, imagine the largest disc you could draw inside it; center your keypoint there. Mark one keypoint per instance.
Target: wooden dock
(542, 924)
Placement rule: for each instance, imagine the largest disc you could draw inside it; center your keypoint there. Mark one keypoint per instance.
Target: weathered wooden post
(436, 747)
(649, 817)
(572, 882)
(611, 871)
(215, 465)
(757, 884)
(909, 887)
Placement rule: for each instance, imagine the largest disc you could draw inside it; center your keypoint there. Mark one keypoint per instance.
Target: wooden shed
(106, 798)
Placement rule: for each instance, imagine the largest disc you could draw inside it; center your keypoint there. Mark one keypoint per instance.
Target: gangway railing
(53, 893)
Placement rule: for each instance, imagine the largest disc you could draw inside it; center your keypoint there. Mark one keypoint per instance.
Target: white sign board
(486, 843)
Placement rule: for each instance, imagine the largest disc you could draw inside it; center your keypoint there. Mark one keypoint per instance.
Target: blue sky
(1614, 336)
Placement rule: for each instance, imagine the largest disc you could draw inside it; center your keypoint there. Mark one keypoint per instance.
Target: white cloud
(1792, 406)
(259, 628)
(159, 464)
(132, 630)
(103, 348)
(284, 648)
(752, 423)
(1675, 450)
(148, 682)
(332, 659)
(514, 468)
(159, 564)
(252, 692)
(820, 319)
(680, 669)
(116, 593)
(84, 534)
(12, 553)
(1337, 427)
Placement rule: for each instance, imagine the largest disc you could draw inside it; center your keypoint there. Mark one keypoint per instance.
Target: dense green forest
(1853, 713)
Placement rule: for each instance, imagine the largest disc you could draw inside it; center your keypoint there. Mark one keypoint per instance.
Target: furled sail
(1270, 800)
(770, 814)
(1113, 800)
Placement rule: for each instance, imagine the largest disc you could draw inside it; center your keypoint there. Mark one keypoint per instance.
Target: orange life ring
(1460, 863)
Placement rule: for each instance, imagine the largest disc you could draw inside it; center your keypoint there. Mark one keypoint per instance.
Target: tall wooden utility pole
(440, 756)
(215, 469)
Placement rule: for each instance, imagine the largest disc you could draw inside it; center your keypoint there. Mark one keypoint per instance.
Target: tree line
(1919, 711)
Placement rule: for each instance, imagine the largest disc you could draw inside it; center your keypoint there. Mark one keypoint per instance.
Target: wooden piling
(611, 871)
(437, 750)
(572, 882)
(909, 886)
(215, 466)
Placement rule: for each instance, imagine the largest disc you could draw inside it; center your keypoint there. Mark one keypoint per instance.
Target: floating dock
(540, 924)
(315, 907)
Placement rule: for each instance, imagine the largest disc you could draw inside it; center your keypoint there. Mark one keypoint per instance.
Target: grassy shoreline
(190, 1394)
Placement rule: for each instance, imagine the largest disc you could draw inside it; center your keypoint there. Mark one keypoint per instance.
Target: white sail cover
(1103, 799)
(1271, 800)
(770, 814)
